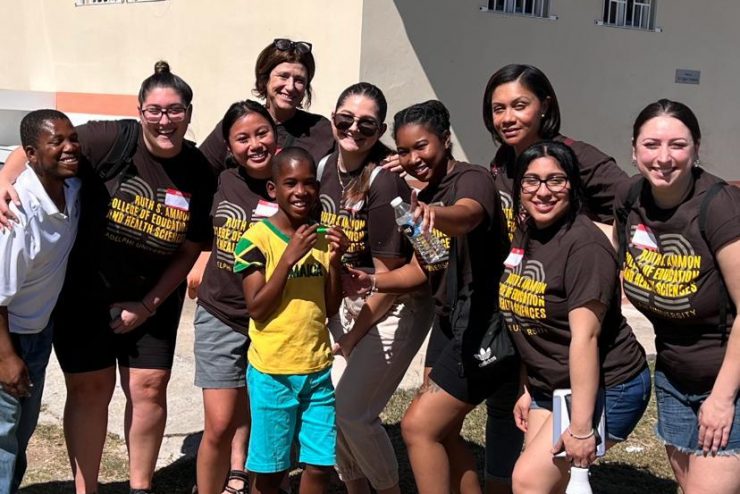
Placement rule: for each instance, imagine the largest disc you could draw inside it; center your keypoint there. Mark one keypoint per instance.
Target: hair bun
(161, 67)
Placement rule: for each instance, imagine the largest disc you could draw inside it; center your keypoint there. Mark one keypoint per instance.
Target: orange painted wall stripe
(101, 104)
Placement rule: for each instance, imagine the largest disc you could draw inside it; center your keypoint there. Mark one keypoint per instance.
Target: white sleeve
(14, 260)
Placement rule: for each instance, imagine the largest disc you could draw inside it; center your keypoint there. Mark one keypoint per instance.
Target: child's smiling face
(295, 189)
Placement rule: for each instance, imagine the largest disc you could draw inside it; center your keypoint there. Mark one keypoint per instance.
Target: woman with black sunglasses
(378, 336)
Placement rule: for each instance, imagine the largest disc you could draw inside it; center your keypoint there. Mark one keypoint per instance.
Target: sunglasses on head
(300, 47)
(366, 126)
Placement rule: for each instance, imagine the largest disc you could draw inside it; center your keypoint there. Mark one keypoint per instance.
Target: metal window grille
(629, 13)
(533, 8)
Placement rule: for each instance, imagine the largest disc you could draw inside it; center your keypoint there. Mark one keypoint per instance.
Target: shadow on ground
(179, 477)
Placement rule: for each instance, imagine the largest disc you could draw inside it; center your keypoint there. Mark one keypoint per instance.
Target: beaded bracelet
(581, 438)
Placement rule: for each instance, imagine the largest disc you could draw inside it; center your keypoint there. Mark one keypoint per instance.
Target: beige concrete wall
(603, 76)
(51, 45)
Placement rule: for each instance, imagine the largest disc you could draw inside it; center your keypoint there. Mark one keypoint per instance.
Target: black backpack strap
(724, 297)
(121, 154)
(620, 219)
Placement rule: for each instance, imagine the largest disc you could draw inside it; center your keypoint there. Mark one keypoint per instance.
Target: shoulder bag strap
(320, 167)
(724, 297)
(620, 220)
(122, 151)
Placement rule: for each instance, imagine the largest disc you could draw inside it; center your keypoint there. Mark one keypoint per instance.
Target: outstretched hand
(423, 211)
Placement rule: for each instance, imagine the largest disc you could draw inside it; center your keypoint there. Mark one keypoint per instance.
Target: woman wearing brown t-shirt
(673, 273)
(560, 299)
(222, 319)
(139, 234)
(459, 201)
(520, 108)
(378, 336)
(283, 74)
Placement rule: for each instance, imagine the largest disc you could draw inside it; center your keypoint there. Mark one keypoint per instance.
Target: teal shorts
(291, 407)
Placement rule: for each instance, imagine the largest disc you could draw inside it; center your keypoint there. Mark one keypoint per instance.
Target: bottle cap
(396, 201)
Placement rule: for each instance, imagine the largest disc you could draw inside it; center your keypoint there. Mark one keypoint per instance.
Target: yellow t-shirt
(295, 339)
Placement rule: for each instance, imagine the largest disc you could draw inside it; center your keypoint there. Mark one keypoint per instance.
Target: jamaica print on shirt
(154, 222)
(522, 293)
(661, 273)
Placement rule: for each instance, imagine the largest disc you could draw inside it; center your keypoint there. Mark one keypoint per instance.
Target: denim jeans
(18, 417)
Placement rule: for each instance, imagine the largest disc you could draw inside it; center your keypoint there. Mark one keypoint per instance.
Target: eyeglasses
(366, 126)
(153, 114)
(554, 183)
(300, 47)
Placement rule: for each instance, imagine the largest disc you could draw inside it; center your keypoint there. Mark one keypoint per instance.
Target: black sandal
(237, 475)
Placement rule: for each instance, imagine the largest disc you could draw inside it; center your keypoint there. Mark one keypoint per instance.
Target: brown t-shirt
(600, 176)
(369, 224)
(239, 202)
(479, 253)
(306, 130)
(670, 275)
(554, 271)
(125, 242)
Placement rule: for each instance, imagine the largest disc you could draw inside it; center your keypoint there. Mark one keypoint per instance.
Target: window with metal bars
(636, 14)
(531, 8)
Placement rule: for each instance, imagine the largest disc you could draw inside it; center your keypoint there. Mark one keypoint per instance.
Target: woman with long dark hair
(222, 317)
(678, 229)
(379, 335)
(560, 298)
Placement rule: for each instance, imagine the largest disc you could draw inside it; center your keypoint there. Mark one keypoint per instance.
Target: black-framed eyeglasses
(365, 125)
(300, 47)
(554, 183)
(153, 114)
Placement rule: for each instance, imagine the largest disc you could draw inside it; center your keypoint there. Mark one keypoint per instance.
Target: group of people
(281, 223)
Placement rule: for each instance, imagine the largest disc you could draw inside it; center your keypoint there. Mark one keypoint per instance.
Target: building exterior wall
(603, 76)
(51, 46)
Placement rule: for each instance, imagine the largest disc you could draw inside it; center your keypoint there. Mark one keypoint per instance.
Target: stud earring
(697, 163)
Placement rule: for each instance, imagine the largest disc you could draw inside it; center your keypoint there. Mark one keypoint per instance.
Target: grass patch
(636, 466)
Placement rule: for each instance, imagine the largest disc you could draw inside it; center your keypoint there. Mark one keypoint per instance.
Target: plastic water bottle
(579, 483)
(429, 247)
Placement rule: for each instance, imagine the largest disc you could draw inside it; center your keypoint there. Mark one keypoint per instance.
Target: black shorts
(84, 342)
(444, 359)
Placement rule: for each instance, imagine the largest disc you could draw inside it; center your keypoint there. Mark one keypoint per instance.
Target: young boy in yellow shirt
(291, 284)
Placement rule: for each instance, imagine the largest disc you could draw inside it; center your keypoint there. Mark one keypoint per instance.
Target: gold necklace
(339, 176)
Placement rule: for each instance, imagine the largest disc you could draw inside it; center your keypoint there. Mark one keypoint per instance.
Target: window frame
(625, 10)
(509, 8)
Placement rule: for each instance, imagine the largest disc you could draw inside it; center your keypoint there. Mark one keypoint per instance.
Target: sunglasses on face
(300, 47)
(366, 126)
(153, 114)
(554, 183)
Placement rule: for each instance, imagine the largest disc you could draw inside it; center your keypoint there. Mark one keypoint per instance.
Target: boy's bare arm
(262, 295)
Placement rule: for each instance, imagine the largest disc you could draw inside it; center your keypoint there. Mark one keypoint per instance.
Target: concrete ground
(185, 419)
